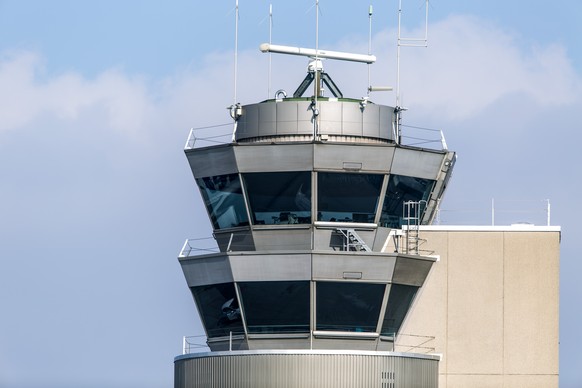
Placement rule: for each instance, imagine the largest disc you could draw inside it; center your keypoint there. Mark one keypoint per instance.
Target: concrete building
(491, 303)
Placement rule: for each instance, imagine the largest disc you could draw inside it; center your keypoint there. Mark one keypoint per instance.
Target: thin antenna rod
(369, 46)
(270, 42)
(317, 72)
(408, 42)
(398, 55)
(235, 50)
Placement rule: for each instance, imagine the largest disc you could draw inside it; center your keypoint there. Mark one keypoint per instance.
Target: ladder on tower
(412, 212)
(352, 241)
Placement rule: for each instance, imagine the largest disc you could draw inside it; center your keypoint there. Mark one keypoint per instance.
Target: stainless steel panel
(304, 118)
(411, 271)
(261, 157)
(248, 123)
(267, 119)
(380, 238)
(235, 240)
(286, 118)
(290, 369)
(373, 158)
(375, 268)
(282, 239)
(386, 120)
(218, 160)
(351, 119)
(371, 121)
(265, 267)
(330, 118)
(417, 163)
(296, 117)
(207, 269)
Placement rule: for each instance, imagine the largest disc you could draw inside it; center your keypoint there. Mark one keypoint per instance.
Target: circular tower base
(301, 369)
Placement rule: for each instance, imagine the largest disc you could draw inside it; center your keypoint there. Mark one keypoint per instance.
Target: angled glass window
(347, 197)
(399, 301)
(224, 200)
(276, 307)
(277, 198)
(219, 309)
(345, 306)
(402, 189)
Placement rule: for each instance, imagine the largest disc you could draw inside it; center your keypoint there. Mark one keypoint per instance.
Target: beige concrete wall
(491, 302)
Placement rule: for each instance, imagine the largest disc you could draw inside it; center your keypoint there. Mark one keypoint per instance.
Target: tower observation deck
(311, 284)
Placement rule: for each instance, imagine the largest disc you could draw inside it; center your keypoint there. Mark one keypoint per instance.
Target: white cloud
(26, 95)
(471, 64)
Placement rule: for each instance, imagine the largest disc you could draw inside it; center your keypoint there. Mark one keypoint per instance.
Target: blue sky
(96, 100)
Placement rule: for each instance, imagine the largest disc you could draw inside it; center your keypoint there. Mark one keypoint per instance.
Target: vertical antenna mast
(406, 42)
(369, 45)
(235, 49)
(235, 108)
(270, 42)
(317, 84)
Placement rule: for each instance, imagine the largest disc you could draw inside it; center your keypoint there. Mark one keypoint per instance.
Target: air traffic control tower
(314, 207)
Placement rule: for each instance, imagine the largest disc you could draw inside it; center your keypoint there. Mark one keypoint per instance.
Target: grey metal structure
(317, 369)
(303, 204)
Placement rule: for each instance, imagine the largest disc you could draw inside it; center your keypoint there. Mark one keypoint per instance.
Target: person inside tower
(230, 312)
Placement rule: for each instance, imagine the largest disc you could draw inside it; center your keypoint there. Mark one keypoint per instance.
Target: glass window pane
(279, 197)
(224, 200)
(219, 309)
(344, 306)
(399, 302)
(402, 189)
(276, 307)
(347, 197)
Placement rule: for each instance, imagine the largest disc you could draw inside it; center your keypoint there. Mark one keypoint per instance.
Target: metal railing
(413, 343)
(194, 344)
(353, 241)
(191, 245)
(495, 212)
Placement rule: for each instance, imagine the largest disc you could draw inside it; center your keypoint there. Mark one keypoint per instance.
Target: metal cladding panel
(376, 268)
(304, 118)
(335, 156)
(212, 161)
(330, 118)
(235, 240)
(312, 370)
(371, 124)
(278, 239)
(262, 157)
(248, 123)
(352, 120)
(386, 122)
(412, 271)
(207, 269)
(265, 267)
(267, 119)
(381, 236)
(440, 185)
(417, 163)
(287, 120)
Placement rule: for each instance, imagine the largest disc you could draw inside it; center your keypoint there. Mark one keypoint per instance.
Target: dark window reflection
(224, 200)
(344, 306)
(279, 197)
(399, 301)
(276, 307)
(219, 309)
(348, 197)
(400, 190)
